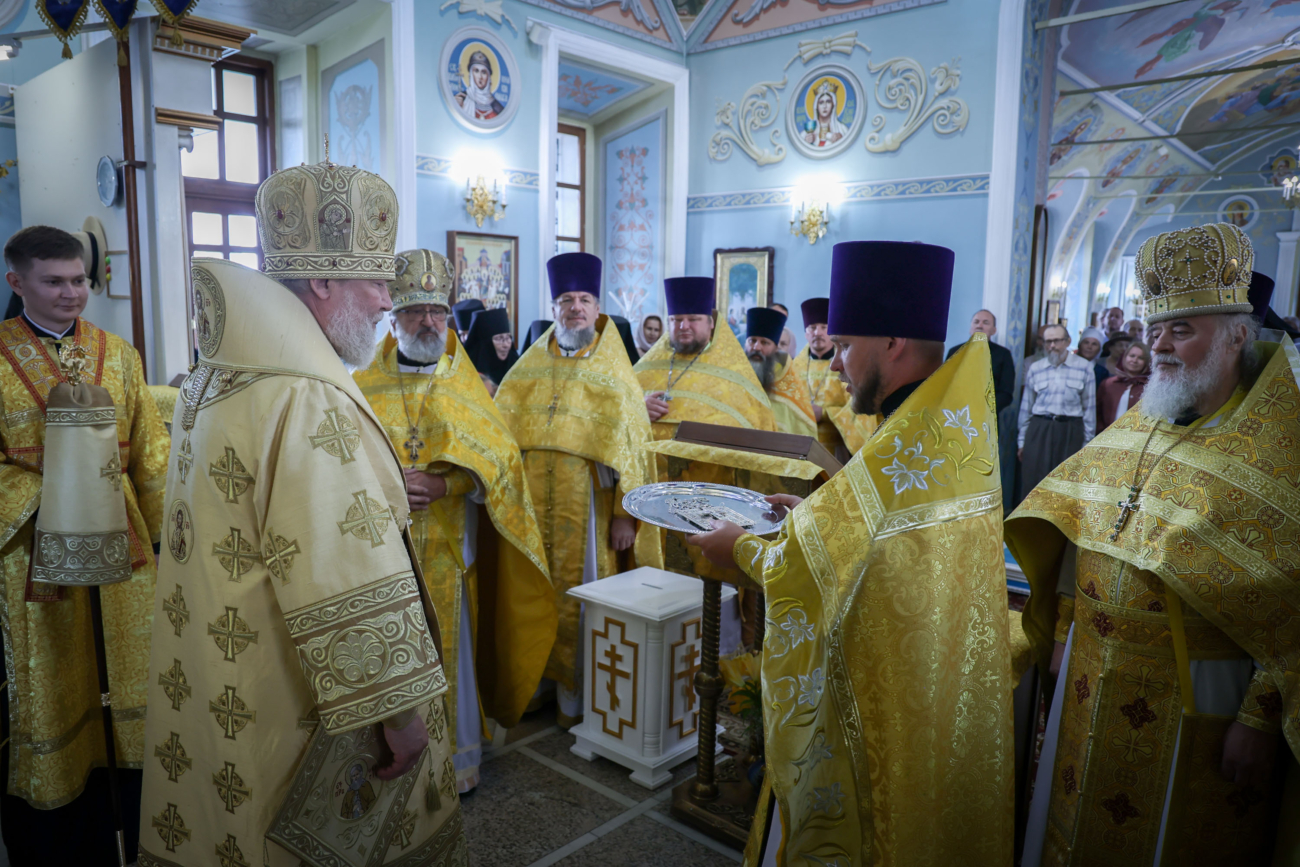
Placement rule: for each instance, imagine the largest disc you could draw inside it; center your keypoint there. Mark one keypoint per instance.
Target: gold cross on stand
(611, 686)
(231, 713)
(230, 476)
(233, 552)
(172, 755)
(230, 787)
(687, 675)
(171, 827)
(231, 633)
(1126, 508)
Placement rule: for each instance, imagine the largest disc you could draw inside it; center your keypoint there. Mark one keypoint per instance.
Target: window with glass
(570, 189)
(227, 164)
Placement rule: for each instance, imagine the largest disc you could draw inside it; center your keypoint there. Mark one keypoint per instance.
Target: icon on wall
(826, 111)
(479, 78)
(1241, 211)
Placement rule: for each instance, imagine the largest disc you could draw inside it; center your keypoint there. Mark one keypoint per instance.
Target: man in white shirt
(1058, 412)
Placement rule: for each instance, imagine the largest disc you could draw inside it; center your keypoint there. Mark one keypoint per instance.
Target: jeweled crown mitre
(1195, 271)
(327, 221)
(423, 277)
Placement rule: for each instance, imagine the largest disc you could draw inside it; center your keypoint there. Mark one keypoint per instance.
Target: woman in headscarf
(490, 344)
(463, 312)
(477, 101)
(648, 332)
(1120, 392)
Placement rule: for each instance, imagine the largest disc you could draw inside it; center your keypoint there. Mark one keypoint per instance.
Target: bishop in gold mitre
(697, 372)
(785, 389)
(886, 665)
(289, 629)
(812, 367)
(53, 738)
(1175, 719)
(473, 524)
(576, 411)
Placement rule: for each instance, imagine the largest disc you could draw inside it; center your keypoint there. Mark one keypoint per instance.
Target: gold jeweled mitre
(423, 277)
(1196, 271)
(327, 221)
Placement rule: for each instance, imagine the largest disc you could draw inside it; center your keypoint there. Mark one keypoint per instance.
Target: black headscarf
(480, 348)
(536, 330)
(625, 331)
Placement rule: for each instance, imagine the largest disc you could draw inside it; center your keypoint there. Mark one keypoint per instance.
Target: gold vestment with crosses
(287, 597)
(55, 737)
(825, 390)
(1213, 538)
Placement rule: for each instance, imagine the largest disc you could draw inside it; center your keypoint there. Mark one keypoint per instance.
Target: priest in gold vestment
(886, 665)
(697, 372)
(1179, 665)
(465, 483)
(288, 613)
(576, 410)
(54, 738)
(812, 366)
(785, 389)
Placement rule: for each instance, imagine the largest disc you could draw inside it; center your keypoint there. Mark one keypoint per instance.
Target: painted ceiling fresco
(1215, 121)
(586, 91)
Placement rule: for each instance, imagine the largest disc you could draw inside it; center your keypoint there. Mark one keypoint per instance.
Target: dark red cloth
(1109, 393)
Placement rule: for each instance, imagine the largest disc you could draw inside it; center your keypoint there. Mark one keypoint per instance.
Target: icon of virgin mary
(824, 128)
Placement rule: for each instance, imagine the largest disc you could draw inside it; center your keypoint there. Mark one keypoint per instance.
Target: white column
(403, 173)
(1284, 294)
(1002, 175)
(542, 36)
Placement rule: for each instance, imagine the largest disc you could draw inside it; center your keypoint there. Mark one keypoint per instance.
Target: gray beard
(1173, 394)
(765, 370)
(683, 348)
(426, 349)
(572, 340)
(352, 333)
(1057, 356)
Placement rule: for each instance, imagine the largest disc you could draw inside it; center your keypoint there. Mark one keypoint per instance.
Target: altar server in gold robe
(51, 728)
(886, 666)
(812, 366)
(577, 412)
(1175, 720)
(289, 629)
(785, 389)
(464, 483)
(697, 372)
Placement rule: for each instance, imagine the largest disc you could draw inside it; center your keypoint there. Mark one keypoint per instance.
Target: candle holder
(811, 221)
(482, 203)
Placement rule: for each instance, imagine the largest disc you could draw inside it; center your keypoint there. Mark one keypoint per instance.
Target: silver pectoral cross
(1126, 508)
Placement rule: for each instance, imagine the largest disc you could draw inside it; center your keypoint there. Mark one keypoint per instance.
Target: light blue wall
(964, 29)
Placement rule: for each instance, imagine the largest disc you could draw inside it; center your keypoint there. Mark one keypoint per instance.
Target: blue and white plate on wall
(479, 79)
(826, 111)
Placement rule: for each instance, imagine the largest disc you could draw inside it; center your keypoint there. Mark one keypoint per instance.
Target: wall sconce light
(482, 203)
(811, 220)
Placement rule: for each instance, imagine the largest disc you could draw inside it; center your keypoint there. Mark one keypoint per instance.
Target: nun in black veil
(490, 344)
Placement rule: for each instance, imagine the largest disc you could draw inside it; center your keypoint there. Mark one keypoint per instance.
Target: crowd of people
(343, 566)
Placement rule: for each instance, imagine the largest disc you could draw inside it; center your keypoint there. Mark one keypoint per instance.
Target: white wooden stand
(642, 631)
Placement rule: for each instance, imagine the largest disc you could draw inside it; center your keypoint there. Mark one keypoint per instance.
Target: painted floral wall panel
(354, 104)
(633, 214)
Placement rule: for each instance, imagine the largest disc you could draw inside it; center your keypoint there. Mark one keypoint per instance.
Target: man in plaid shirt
(1058, 411)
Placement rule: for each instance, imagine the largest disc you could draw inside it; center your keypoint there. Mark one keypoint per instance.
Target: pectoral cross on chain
(413, 445)
(550, 410)
(1126, 508)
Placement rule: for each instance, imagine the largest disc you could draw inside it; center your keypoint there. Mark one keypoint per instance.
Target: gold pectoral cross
(413, 445)
(555, 404)
(1126, 508)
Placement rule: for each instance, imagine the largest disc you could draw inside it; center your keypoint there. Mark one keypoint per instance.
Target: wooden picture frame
(743, 277)
(481, 271)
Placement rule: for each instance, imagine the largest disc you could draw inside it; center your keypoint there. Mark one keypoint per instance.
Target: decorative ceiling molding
(749, 14)
(663, 28)
(203, 38)
(586, 91)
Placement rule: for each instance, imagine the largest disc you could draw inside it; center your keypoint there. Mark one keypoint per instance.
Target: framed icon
(742, 278)
(826, 111)
(487, 268)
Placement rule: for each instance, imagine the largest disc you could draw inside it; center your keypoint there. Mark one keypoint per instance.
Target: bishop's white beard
(1173, 393)
(425, 349)
(351, 331)
(574, 339)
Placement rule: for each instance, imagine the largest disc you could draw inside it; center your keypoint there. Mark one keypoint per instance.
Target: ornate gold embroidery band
(81, 559)
(930, 514)
(367, 654)
(81, 417)
(1148, 633)
(331, 267)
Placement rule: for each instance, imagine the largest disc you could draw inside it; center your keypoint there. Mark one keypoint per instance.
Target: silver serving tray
(690, 507)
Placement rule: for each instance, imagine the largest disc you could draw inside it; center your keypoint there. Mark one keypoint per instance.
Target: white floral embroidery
(961, 420)
(797, 627)
(811, 687)
(917, 472)
(827, 799)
